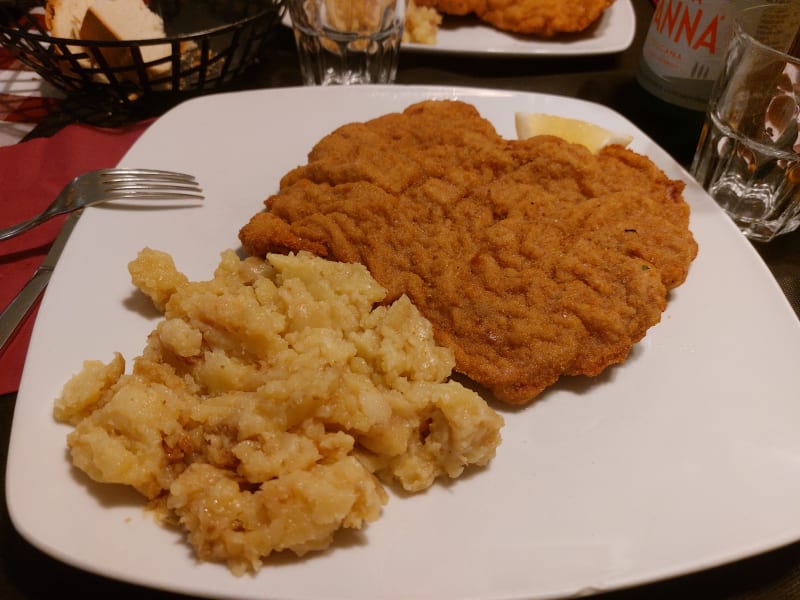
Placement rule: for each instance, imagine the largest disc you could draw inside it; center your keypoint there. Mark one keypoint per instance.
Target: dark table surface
(26, 573)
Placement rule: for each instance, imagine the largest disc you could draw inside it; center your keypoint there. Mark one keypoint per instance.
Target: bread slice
(63, 18)
(121, 20)
(110, 20)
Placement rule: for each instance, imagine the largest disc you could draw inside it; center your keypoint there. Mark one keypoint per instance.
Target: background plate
(686, 456)
(613, 32)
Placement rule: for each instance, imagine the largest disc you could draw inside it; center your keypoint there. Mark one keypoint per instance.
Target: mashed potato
(422, 24)
(272, 403)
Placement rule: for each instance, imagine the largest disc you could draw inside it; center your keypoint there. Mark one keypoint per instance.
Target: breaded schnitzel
(540, 17)
(533, 259)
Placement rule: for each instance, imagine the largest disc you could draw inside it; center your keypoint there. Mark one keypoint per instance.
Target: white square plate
(684, 457)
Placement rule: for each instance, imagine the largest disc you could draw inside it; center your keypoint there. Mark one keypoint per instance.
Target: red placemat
(32, 173)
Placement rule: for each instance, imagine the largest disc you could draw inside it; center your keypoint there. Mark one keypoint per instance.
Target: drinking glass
(748, 155)
(347, 41)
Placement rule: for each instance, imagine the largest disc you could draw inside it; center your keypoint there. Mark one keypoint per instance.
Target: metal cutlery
(105, 185)
(89, 189)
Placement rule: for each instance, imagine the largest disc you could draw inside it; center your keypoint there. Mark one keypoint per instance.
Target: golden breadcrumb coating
(533, 259)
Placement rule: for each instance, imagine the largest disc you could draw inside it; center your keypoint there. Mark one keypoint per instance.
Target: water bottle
(686, 43)
(683, 51)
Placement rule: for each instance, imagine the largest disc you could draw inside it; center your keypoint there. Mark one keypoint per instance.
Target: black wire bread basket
(209, 43)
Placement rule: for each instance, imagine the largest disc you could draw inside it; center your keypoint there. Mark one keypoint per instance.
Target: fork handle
(10, 232)
(51, 211)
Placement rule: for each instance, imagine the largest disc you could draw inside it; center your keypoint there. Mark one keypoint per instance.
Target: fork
(104, 185)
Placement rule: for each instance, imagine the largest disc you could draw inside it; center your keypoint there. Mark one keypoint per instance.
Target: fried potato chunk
(272, 403)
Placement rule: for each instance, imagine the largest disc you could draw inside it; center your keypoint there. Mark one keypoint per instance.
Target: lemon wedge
(576, 131)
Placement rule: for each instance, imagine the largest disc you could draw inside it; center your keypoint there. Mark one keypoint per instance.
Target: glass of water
(748, 156)
(347, 41)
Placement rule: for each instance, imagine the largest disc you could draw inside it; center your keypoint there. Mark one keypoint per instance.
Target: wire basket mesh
(208, 44)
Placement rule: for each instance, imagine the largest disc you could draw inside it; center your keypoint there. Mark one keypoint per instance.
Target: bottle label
(686, 43)
(688, 39)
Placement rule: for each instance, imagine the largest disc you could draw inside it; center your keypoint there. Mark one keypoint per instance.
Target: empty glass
(347, 41)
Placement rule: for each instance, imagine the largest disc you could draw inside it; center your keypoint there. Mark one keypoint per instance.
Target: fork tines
(150, 184)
